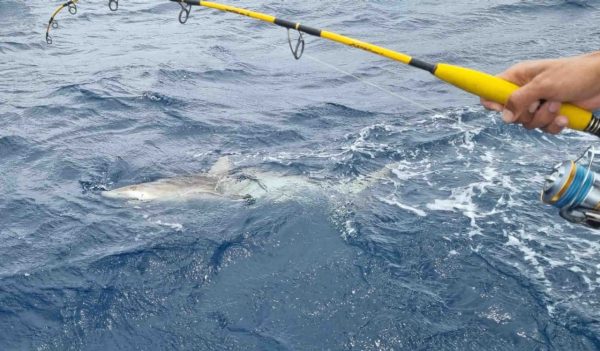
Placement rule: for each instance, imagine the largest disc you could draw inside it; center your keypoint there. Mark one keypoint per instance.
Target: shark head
(203, 185)
(129, 192)
(167, 189)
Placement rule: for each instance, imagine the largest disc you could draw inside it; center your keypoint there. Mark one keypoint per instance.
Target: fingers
(527, 105)
(490, 105)
(514, 74)
(546, 117)
(543, 116)
(557, 125)
(521, 106)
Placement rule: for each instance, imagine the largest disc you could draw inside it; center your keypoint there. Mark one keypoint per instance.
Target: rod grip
(499, 90)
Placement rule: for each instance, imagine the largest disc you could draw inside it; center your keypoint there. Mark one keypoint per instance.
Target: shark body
(220, 182)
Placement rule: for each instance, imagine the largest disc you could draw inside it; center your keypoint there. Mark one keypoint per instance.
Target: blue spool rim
(578, 190)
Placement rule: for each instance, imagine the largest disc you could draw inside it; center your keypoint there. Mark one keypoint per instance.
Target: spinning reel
(574, 188)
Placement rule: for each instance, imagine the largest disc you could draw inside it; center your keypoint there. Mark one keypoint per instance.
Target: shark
(222, 181)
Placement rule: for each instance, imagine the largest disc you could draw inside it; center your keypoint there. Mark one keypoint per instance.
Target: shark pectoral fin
(221, 167)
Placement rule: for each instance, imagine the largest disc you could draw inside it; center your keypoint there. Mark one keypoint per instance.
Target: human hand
(545, 85)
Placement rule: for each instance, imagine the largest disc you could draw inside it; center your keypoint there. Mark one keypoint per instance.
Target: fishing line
(436, 114)
(339, 70)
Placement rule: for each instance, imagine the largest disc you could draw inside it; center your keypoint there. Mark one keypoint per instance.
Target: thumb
(523, 103)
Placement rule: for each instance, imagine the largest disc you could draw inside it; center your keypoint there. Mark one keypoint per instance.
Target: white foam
(490, 174)
(468, 139)
(496, 315)
(177, 226)
(461, 199)
(362, 143)
(349, 231)
(405, 170)
(529, 254)
(587, 280)
(576, 269)
(397, 203)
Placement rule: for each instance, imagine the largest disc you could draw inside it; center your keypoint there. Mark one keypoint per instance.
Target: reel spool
(574, 189)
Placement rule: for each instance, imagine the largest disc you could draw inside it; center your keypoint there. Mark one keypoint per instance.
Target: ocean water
(452, 250)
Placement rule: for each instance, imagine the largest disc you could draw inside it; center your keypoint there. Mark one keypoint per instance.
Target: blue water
(452, 251)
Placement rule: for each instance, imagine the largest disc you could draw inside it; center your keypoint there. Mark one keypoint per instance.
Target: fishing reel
(574, 188)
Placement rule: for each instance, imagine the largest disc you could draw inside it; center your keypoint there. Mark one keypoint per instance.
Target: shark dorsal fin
(221, 167)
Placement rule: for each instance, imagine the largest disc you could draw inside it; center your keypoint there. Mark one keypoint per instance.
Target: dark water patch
(67, 113)
(568, 279)
(104, 172)
(380, 17)
(164, 8)
(526, 7)
(267, 137)
(13, 11)
(13, 146)
(220, 52)
(7, 46)
(195, 129)
(327, 114)
(330, 82)
(20, 209)
(178, 75)
(93, 133)
(145, 47)
(413, 23)
(77, 93)
(224, 250)
(227, 75)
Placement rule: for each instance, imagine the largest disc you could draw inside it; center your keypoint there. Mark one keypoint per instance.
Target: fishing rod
(113, 5)
(475, 82)
(52, 23)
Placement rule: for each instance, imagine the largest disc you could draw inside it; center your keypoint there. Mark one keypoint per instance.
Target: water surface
(452, 250)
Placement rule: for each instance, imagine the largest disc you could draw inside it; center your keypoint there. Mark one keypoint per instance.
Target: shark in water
(221, 181)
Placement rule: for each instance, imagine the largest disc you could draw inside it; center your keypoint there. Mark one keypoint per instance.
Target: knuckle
(510, 103)
(525, 118)
(553, 129)
(529, 126)
(543, 84)
(548, 130)
(543, 119)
